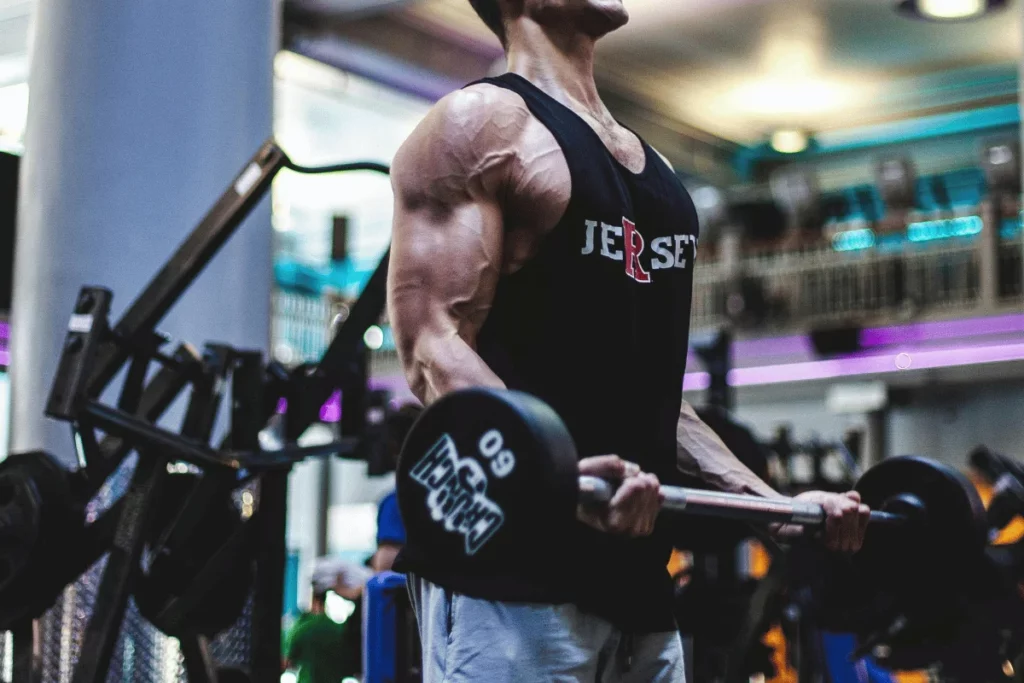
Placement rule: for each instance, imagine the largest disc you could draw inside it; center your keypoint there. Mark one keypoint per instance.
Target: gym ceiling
(703, 78)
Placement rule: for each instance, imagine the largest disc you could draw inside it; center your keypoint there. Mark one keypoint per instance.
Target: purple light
(331, 411)
(800, 345)
(863, 365)
(5, 358)
(875, 364)
(5, 330)
(947, 329)
(696, 381)
(767, 347)
(773, 346)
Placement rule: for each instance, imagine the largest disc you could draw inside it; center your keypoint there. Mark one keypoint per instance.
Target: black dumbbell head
(487, 480)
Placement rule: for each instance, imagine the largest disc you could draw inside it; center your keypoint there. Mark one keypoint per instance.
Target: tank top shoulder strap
(569, 130)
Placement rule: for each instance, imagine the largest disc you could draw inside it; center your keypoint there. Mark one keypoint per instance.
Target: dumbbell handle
(727, 505)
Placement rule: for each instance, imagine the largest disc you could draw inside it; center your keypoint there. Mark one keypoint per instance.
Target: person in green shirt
(314, 645)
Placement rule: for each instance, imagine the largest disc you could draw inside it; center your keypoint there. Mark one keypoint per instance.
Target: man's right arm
(447, 243)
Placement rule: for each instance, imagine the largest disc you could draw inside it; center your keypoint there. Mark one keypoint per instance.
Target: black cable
(339, 168)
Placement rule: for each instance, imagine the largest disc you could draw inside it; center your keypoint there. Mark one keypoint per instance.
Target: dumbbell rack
(95, 352)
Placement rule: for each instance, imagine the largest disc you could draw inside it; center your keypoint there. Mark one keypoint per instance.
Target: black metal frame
(95, 351)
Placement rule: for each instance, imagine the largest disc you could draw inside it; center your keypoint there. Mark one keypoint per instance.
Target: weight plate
(943, 544)
(19, 524)
(171, 573)
(486, 482)
(40, 522)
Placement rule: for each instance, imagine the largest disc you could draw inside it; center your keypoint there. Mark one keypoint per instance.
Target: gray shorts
(466, 640)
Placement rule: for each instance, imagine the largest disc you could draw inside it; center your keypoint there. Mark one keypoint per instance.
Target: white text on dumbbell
(502, 459)
(457, 495)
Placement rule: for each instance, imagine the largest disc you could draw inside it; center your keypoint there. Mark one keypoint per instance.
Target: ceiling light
(949, 10)
(789, 141)
(788, 97)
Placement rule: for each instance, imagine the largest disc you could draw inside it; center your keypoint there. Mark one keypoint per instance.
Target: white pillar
(140, 115)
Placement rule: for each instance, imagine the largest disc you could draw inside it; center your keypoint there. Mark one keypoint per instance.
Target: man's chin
(606, 19)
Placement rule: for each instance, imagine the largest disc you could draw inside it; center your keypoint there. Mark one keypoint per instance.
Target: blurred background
(855, 164)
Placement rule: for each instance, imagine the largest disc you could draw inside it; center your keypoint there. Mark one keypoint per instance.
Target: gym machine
(177, 541)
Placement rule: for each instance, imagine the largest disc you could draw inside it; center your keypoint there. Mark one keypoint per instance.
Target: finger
(854, 527)
(657, 499)
(652, 504)
(623, 507)
(853, 495)
(864, 518)
(610, 467)
(833, 527)
(646, 496)
(625, 494)
(633, 505)
(838, 510)
(851, 527)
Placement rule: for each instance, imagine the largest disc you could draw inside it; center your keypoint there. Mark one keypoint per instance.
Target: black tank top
(597, 324)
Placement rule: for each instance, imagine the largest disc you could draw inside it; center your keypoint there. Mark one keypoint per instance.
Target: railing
(805, 289)
(302, 326)
(799, 290)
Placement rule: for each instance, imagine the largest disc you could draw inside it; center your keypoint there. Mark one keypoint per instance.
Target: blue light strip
(927, 231)
(853, 240)
(924, 231)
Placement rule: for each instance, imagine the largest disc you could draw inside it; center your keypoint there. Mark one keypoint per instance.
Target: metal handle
(594, 490)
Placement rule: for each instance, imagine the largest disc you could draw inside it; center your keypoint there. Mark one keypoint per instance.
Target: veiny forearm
(702, 454)
(441, 365)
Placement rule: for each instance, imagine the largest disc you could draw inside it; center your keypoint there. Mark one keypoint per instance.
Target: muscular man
(541, 246)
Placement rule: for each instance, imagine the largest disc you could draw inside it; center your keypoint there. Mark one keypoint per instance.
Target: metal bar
(112, 596)
(87, 330)
(988, 254)
(143, 433)
(342, 359)
(727, 505)
(138, 432)
(135, 380)
(206, 397)
(247, 405)
(23, 668)
(199, 666)
(164, 290)
(158, 396)
(268, 599)
(324, 507)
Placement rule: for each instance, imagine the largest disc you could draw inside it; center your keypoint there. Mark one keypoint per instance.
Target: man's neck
(562, 65)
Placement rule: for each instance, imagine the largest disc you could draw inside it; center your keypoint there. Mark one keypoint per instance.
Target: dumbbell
(486, 477)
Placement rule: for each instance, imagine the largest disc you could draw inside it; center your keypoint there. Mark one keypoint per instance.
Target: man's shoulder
(471, 133)
(480, 103)
(474, 118)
